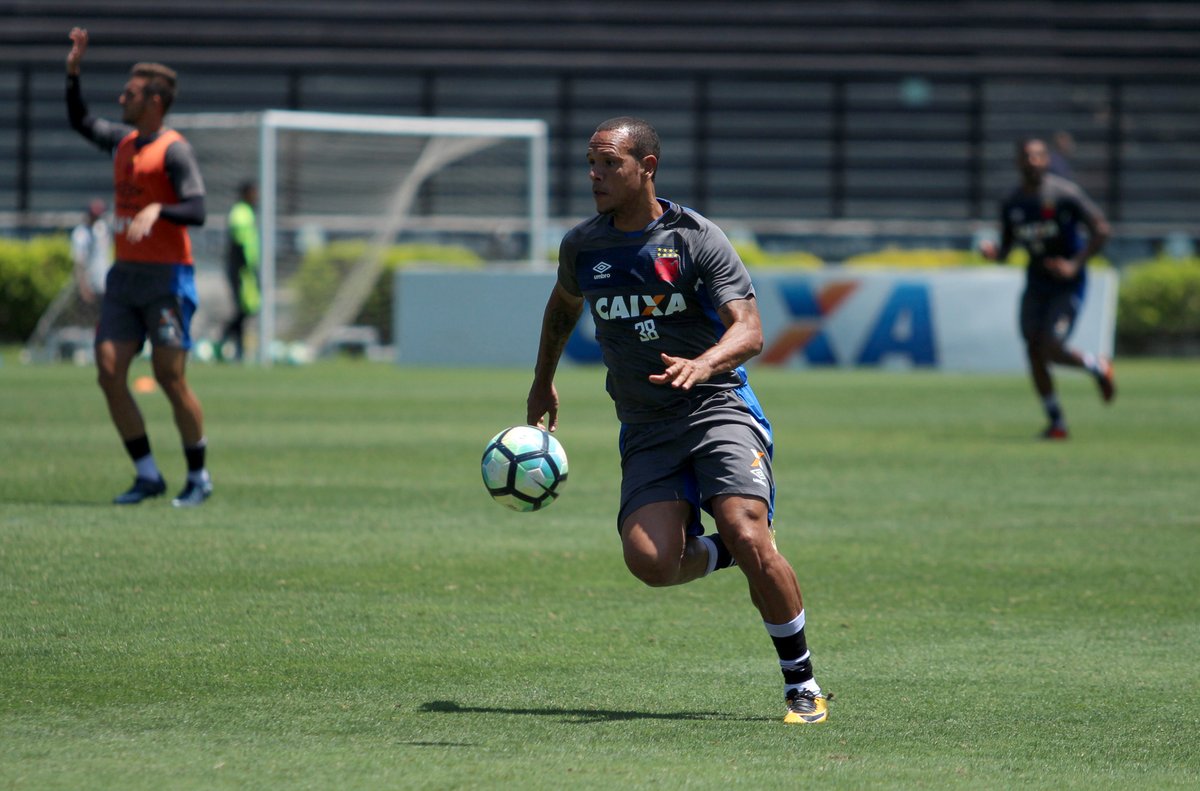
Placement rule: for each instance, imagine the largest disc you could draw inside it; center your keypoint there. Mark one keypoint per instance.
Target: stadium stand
(780, 112)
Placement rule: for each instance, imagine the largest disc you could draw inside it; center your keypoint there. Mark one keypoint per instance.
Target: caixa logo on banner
(849, 321)
(854, 322)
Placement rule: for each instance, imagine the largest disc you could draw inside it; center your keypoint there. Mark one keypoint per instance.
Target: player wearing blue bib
(676, 318)
(1048, 215)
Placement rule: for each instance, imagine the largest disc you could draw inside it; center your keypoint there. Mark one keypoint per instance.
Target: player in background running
(1048, 215)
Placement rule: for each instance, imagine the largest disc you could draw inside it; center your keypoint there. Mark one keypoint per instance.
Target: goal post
(372, 178)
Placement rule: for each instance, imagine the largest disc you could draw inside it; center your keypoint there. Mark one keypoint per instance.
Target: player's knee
(653, 570)
(747, 544)
(170, 379)
(170, 386)
(1040, 345)
(108, 379)
(1050, 347)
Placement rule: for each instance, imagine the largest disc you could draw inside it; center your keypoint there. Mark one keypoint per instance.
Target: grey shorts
(724, 447)
(1048, 314)
(155, 301)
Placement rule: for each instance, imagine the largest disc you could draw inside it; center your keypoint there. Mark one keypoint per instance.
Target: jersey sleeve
(184, 170)
(105, 135)
(1088, 211)
(721, 268)
(567, 278)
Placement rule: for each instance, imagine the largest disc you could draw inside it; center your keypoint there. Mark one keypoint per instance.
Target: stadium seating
(769, 111)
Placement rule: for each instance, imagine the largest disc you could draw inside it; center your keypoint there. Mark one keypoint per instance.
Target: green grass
(350, 611)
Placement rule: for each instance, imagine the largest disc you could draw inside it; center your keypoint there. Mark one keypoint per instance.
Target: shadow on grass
(584, 715)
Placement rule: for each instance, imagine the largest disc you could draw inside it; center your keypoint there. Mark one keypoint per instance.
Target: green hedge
(1158, 307)
(934, 258)
(755, 257)
(31, 273)
(323, 269)
(925, 258)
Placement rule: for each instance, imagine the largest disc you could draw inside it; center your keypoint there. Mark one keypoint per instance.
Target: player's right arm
(105, 134)
(562, 313)
(990, 250)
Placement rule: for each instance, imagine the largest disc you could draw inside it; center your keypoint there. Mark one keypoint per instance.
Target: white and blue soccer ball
(524, 468)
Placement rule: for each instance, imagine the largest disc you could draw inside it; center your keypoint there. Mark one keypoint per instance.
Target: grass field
(351, 611)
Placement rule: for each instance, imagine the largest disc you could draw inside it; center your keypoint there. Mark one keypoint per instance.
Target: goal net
(340, 195)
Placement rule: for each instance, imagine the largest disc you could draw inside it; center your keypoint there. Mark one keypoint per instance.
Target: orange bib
(140, 178)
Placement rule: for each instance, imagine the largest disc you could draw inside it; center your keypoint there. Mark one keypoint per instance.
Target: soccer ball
(524, 468)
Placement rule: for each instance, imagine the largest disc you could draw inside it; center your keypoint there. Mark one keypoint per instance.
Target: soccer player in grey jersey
(676, 318)
(1046, 214)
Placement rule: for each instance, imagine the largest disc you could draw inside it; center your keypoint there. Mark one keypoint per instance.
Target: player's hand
(79, 43)
(541, 409)
(987, 248)
(143, 221)
(1062, 268)
(682, 373)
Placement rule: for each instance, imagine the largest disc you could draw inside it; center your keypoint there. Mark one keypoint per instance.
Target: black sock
(794, 658)
(724, 558)
(138, 447)
(1053, 410)
(195, 455)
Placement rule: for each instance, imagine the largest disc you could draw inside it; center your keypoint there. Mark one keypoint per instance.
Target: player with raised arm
(151, 289)
(1046, 215)
(676, 318)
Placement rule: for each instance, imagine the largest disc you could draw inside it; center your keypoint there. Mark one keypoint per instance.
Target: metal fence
(760, 149)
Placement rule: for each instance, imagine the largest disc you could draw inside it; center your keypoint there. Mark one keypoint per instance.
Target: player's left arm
(1099, 232)
(562, 313)
(184, 173)
(742, 340)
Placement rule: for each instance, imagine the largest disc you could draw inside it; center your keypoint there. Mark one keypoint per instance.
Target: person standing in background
(241, 268)
(1062, 151)
(151, 289)
(91, 250)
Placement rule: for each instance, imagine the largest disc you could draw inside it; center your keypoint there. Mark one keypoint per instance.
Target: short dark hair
(643, 140)
(160, 81)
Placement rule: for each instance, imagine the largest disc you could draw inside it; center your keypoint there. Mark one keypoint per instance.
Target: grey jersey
(1049, 223)
(651, 292)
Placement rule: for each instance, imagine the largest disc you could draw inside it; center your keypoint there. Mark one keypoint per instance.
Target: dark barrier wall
(769, 111)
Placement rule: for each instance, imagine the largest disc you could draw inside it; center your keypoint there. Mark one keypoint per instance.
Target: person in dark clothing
(1047, 215)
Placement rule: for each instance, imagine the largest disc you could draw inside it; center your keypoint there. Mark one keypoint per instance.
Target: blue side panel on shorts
(183, 284)
(746, 393)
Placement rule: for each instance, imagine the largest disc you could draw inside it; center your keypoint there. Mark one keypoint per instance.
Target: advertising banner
(953, 320)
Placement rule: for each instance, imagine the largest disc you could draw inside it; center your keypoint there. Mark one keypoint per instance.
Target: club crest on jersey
(667, 264)
(624, 307)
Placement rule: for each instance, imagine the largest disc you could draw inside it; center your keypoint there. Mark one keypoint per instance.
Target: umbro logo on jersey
(601, 270)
